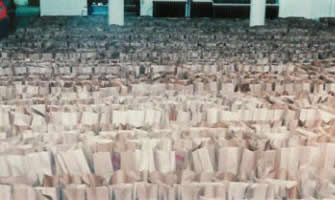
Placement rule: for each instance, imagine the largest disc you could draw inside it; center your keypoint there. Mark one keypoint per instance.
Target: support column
(257, 12)
(188, 8)
(146, 8)
(116, 12)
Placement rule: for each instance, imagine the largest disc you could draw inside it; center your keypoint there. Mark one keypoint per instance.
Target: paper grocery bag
(257, 191)
(11, 180)
(92, 180)
(144, 191)
(279, 189)
(167, 192)
(103, 165)
(229, 159)
(90, 119)
(74, 192)
(289, 163)
(202, 161)
(186, 176)
(128, 161)
(72, 162)
(122, 191)
(267, 164)
(182, 160)
(5, 192)
(97, 193)
(237, 190)
(21, 192)
(119, 177)
(190, 191)
(38, 164)
(47, 193)
(216, 190)
(159, 178)
(165, 161)
(205, 177)
(248, 165)
(327, 159)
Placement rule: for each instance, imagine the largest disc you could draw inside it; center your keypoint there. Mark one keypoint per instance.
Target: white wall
(311, 9)
(63, 7)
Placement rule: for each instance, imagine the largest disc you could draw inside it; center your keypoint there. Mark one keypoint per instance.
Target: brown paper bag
(248, 165)
(205, 177)
(144, 191)
(237, 190)
(182, 160)
(122, 191)
(72, 162)
(202, 161)
(190, 191)
(38, 165)
(74, 192)
(267, 164)
(186, 176)
(56, 181)
(167, 192)
(229, 160)
(5, 192)
(216, 190)
(92, 180)
(168, 179)
(128, 161)
(23, 192)
(103, 165)
(97, 193)
(257, 191)
(279, 189)
(289, 163)
(165, 161)
(47, 193)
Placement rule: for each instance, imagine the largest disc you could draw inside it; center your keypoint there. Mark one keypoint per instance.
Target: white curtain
(310, 9)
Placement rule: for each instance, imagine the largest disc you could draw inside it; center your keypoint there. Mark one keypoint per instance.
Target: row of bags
(233, 162)
(265, 189)
(197, 88)
(42, 120)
